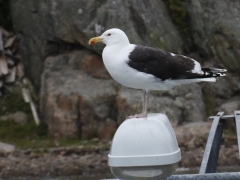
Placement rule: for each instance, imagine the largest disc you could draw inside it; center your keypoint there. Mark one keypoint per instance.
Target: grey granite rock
(18, 117)
(6, 148)
(79, 98)
(216, 29)
(76, 21)
(181, 104)
(74, 103)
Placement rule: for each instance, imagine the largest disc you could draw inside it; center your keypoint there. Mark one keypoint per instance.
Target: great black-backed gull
(148, 68)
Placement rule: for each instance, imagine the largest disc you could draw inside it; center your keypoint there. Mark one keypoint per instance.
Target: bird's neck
(119, 45)
(125, 42)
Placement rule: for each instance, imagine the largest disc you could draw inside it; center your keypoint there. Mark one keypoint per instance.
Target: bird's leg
(145, 103)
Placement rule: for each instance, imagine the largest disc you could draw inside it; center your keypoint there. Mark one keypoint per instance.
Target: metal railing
(210, 158)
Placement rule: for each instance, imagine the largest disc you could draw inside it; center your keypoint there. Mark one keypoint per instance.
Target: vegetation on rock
(179, 16)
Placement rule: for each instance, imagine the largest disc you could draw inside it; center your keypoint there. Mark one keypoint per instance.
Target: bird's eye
(109, 34)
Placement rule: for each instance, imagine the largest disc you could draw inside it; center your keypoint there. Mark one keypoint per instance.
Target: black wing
(163, 65)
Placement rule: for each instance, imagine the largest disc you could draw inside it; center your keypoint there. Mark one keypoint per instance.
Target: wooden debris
(10, 42)
(1, 40)
(11, 68)
(28, 99)
(4, 32)
(20, 72)
(34, 112)
(3, 66)
(12, 75)
(26, 95)
(10, 61)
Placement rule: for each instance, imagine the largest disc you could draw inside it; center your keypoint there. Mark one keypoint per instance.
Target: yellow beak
(95, 40)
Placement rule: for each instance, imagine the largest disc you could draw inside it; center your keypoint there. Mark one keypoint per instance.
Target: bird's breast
(115, 62)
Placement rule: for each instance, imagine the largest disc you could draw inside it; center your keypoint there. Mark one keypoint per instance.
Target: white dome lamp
(144, 148)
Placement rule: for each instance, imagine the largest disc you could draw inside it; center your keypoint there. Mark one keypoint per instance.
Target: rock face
(78, 98)
(18, 117)
(216, 30)
(76, 21)
(196, 135)
(216, 34)
(6, 148)
(181, 104)
(73, 102)
(82, 101)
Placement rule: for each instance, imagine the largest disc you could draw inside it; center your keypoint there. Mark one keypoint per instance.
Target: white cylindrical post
(144, 148)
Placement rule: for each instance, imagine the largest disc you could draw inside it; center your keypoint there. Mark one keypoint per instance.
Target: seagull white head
(111, 37)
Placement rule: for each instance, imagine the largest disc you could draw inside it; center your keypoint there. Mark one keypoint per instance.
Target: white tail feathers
(215, 70)
(212, 79)
(220, 74)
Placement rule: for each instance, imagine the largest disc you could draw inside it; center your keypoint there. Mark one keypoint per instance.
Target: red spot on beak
(92, 42)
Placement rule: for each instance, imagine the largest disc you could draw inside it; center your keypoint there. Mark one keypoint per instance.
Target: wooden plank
(12, 75)
(20, 72)
(26, 95)
(10, 42)
(28, 99)
(1, 40)
(3, 66)
(10, 62)
(34, 112)
(4, 32)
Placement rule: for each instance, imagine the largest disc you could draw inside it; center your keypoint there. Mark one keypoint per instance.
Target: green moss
(179, 16)
(30, 136)
(13, 101)
(11, 131)
(162, 43)
(45, 143)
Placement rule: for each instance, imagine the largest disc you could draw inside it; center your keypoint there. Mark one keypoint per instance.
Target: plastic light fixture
(144, 148)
